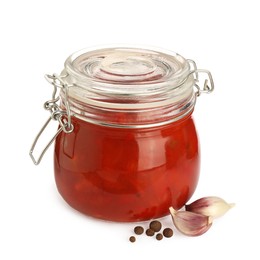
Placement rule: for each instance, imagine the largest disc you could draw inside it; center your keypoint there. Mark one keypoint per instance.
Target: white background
(36, 38)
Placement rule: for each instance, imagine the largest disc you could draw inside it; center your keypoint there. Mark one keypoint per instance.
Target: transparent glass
(153, 87)
(134, 149)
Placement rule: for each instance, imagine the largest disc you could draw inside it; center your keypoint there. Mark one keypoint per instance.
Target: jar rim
(160, 75)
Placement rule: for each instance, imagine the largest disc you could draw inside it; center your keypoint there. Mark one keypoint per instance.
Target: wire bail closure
(208, 85)
(63, 116)
(57, 114)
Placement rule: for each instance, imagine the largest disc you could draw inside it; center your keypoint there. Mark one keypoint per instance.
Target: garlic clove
(189, 223)
(210, 206)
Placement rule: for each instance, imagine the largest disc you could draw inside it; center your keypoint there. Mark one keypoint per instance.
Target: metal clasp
(57, 114)
(208, 85)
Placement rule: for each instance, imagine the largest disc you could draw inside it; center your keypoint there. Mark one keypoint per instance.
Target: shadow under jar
(134, 150)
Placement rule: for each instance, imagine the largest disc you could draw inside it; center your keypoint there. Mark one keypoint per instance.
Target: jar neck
(134, 116)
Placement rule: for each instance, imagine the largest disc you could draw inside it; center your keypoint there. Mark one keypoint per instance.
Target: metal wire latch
(57, 114)
(208, 85)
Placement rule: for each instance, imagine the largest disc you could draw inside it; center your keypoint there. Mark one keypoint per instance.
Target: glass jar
(127, 147)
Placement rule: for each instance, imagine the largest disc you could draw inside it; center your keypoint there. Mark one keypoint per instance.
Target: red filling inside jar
(125, 174)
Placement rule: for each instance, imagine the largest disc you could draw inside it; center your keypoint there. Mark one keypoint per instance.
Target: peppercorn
(159, 236)
(155, 225)
(149, 232)
(132, 239)
(167, 232)
(138, 230)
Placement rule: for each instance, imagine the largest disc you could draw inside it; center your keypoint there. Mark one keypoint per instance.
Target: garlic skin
(210, 206)
(189, 223)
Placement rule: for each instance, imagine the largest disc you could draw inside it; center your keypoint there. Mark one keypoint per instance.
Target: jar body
(126, 175)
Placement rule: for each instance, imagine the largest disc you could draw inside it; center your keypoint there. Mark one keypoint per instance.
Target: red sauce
(127, 174)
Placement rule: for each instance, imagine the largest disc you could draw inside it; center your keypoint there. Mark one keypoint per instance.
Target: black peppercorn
(159, 236)
(138, 230)
(167, 232)
(149, 232)
(132, 239)
(155, 225)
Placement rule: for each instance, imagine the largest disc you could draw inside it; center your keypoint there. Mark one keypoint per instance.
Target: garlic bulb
(189, 223)
(210, 206)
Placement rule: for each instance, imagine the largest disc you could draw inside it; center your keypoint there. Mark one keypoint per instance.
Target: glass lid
(127, 66)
